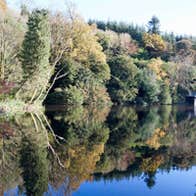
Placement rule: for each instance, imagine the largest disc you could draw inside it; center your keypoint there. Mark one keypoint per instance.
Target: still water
(99, 151)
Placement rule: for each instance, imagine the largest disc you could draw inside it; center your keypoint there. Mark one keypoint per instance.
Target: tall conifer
(35, 55)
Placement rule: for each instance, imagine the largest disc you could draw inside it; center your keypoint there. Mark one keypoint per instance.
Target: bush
(165, 97)
(69, 96)
(123, 84)
(73, 96)
(149, 87)
(97, 95)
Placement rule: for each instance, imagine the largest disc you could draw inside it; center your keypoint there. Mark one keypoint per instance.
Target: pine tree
(24, 10)
(36, 45)
(35, 55)
(154, 25)
(34, 163)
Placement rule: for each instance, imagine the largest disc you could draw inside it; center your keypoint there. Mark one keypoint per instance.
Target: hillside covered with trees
(58, 58)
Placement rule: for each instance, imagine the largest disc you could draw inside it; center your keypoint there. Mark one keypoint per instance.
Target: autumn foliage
(154, 44)
(5, 87)
(3, 5)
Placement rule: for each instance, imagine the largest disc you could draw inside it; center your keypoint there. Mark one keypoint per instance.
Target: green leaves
(123, 84)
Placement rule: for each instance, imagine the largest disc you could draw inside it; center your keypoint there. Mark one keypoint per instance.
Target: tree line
(59, 58)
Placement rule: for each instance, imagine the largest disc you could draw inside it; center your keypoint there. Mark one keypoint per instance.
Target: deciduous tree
(154, 44)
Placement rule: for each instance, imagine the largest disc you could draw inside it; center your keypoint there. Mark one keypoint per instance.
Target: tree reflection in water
(98, 144)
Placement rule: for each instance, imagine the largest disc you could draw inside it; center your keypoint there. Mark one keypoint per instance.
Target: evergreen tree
(149, 87)
(123, 84)
(35, 167)
(36, 46)
(154, 25)
(33, 153)
(35, 55)
(24, 10)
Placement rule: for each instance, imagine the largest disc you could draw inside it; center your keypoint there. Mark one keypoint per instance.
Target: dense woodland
(52, 58)
(57, 58)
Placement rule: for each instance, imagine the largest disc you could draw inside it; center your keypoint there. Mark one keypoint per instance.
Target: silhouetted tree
(154, 25)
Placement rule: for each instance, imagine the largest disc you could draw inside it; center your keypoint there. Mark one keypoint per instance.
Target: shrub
(73, 96)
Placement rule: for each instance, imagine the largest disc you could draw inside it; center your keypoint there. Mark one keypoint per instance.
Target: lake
(81, 151)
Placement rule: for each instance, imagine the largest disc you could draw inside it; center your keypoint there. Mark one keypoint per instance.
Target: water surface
(100, 151)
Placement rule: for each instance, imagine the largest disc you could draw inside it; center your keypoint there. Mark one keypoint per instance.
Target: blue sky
(178, 16)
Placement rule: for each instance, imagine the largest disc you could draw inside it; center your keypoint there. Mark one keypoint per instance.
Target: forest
(91, 101)
(48, 58)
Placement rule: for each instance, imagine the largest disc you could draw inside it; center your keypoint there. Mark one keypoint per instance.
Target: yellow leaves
(85, 45)
(75, 40)
(154, 141)
(161, 133)
(3, 6)
(81, 163)
(151, 164)
(154, 42)
(156, 66)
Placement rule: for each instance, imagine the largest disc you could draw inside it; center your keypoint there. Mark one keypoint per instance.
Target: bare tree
(11, 36)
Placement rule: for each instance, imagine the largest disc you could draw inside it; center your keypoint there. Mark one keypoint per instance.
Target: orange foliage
(154, 141)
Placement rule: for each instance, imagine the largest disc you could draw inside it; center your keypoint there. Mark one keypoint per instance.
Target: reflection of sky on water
(133, 145)
(175, 183)
(11, 192)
